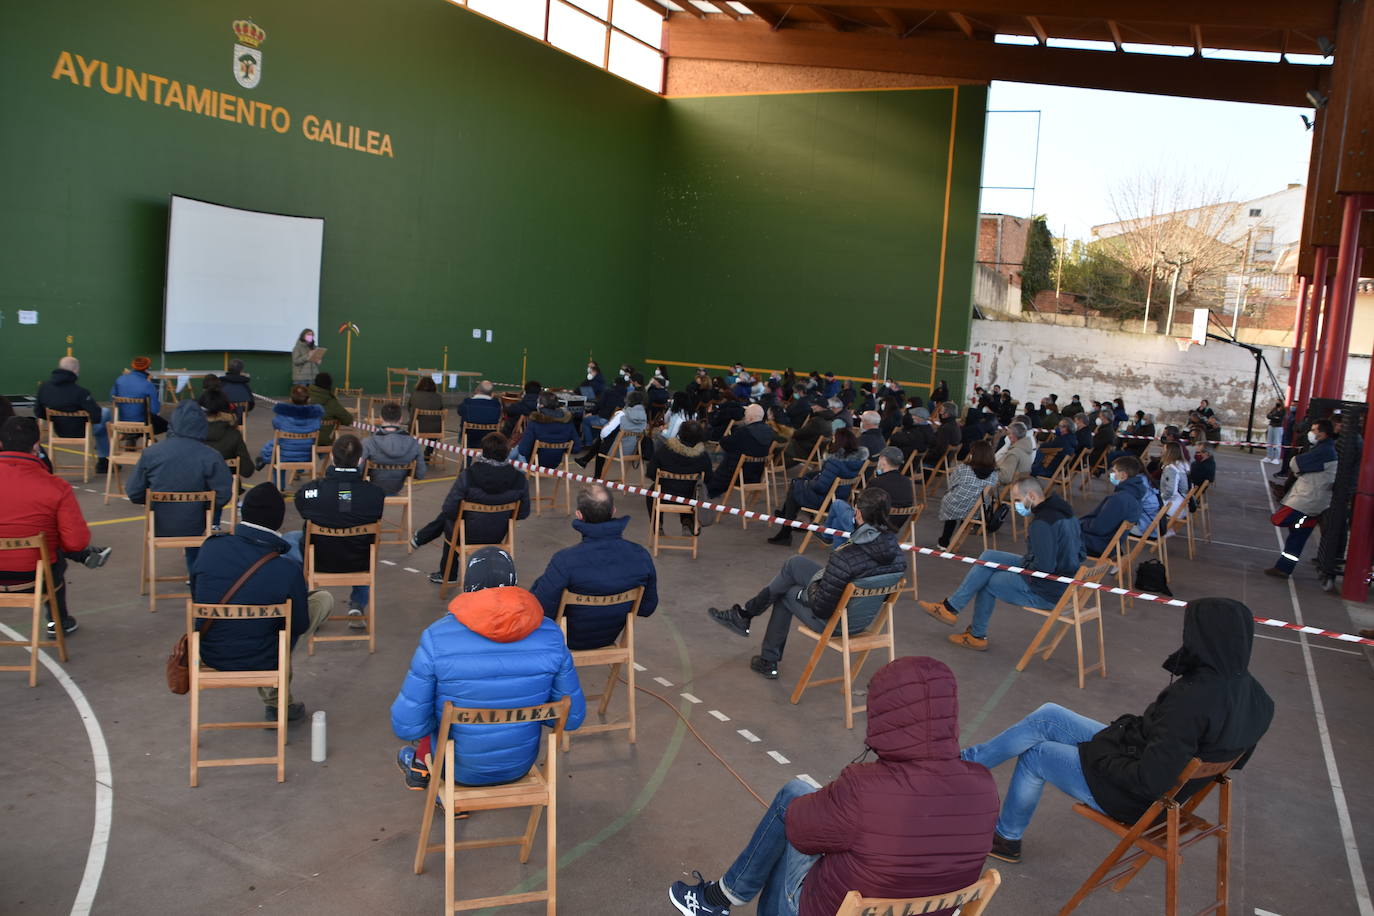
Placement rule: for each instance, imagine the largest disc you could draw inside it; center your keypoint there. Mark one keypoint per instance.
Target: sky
(1090, 140)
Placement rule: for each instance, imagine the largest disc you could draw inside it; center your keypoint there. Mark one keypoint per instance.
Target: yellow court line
(115, 521)
(944, 235)
(434, 479)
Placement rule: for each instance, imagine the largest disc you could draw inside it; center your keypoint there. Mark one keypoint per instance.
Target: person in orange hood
(494, 649)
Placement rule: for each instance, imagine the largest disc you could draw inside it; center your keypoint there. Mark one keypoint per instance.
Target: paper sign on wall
(453, 379)
(476, 333)
(438, 378)
(488, 336)
(182, 382)
(28, 316)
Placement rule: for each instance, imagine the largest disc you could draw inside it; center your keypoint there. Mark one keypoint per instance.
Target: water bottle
(317, 737)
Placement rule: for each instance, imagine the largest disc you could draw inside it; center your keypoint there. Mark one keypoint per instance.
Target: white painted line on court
(749, 736)
(1294, 642)
(1260, 912)
(410, 569)
(806, 778)
(104, 782)
(779, 758)
(719, 715)
(689, 698)
(639, 667)
(389, 562)
(664, 681)
(1360, 887)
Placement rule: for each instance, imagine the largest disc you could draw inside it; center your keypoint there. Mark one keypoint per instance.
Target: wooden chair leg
(427, 816)
(1171, 864)
(449, 828)
(630, 696)
(1035, 643)
(448, 562)
(609, 689)
(551, 852)
(810, 668)
(195, 721)
(152, 577)
(531, 826)
(846, 684)
(1224, 846)
(1123, 846)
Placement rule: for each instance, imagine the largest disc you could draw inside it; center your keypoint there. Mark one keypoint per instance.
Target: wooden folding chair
(1114, 555)
(537, 790)
(1077, 606)
(284, 472)
(416, 417)
(207, 678)
(818, 515)
(323, 453)
(1166, 829)
(877, 635)
(1062, 478)
(930, 476)
(231, 508)
(745, 490)
(122, 454)
(1152, 538)
(483, 428)
(912, 462)
(1098, 467)
(975, 520)
(1181, 518)
(906, 517)
(864, 473)
(814, 459)
(394, 378)
(356, 394)
(42, 589)
(315, 579)
(1204, 514)
(240, 409)
(537, 450)
(458, 546)
(626, 453)
(58, 444)
(667, 507)
(969, 901)
(621, 654)
(119, 405)
(148, 576)
(404, 498)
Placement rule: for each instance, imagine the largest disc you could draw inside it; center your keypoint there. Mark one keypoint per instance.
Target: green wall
(566, 210)
(517, 200)
(804, 229)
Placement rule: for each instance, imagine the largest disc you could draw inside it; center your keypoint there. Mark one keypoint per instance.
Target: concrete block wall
(1148, 371)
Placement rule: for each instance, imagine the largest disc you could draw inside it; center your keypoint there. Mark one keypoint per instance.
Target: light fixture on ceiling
(1306, 121)
(1326, 46)
(1316, 99)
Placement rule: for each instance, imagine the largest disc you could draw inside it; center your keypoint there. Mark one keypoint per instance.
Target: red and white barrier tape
(753, 515)
(1236, 442)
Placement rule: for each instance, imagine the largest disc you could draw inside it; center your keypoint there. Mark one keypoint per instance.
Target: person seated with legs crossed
(810, 592)
(1212, 709)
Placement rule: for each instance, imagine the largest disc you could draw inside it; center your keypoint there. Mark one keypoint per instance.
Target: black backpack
(1150, 578)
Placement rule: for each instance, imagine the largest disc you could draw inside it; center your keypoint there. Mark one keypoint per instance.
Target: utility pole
(1059, 272)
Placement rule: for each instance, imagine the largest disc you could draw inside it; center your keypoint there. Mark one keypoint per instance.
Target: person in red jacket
(916, 821)
(32, 500)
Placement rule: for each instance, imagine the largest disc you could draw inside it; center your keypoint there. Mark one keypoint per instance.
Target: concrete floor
(338, 837)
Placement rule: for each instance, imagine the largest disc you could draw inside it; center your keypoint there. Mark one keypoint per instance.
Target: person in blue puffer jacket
(493, 650)
(846, 460)
(300, 416)
(1124, 504)
(134, 383)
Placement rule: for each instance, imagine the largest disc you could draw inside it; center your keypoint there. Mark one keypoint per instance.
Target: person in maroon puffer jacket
(915, 822)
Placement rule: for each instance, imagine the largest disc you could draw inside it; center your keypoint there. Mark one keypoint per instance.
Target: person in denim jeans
(916, 821)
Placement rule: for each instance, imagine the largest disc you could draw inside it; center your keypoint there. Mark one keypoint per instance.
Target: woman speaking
(305, 359)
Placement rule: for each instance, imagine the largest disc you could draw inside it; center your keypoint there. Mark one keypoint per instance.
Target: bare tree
(1173, 228)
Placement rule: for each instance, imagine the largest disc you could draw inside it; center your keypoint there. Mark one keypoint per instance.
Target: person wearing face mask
(303, 367)
(1123, 504)
(1216, 710)
(596, 382)
(1104, 434)
(1054, 544)
(1314, 475)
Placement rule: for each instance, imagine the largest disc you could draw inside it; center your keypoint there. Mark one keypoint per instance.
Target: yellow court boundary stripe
(115, 521)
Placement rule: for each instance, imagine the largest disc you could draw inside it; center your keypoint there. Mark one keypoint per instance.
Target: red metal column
(1299, 325)
(1314, 310)
(1360, 549)
(1340, 314)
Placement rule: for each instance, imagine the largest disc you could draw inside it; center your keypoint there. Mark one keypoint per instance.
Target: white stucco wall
(1148, 371)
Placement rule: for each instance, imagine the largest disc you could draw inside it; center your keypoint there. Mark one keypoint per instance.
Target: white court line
(1241, 546)
(1260, 912)
(104, 782)
(779, 758)
(639, 667)
(410, 569)
(389, 562)
(689, 698)
(664, 681)
(806, 778)
(1294, 642)
(719, 715)
(749, 736)
(1352, 851)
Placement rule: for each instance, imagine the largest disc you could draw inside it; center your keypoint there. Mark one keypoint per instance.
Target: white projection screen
(239, 279)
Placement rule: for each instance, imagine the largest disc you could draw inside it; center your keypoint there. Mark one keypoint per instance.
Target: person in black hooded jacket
(811, 592)
(1212, 709)
(490, 480)
(685, 453)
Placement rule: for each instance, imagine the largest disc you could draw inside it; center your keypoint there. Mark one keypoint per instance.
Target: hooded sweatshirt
(393, 445)
(61, 392)
(1054, 544)
(916, 821)
(181, 463)
(1215, 711)
(1123, 504)
(493, 650)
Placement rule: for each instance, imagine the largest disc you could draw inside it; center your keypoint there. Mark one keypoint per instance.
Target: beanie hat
(490, 567)
(263, 506)
(141, 363)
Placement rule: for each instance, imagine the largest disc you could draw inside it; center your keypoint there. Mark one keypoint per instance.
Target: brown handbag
(178, 661)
